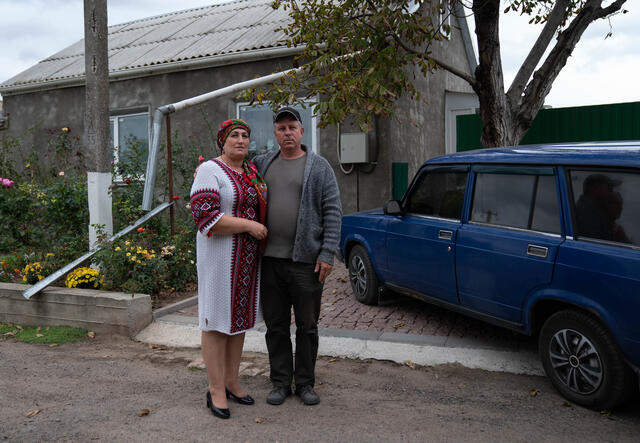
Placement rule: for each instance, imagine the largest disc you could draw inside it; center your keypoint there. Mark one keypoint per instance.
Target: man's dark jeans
(285, 283)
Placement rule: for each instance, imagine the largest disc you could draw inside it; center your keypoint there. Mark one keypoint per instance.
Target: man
(303, 221)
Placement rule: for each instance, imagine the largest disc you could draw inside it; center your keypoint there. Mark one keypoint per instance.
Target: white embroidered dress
(228, 265)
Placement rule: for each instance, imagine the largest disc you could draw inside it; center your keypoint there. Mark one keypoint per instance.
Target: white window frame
(313, 127)
(113, 120)
(444, 18)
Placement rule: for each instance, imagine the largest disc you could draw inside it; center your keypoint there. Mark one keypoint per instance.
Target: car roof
(615, 153)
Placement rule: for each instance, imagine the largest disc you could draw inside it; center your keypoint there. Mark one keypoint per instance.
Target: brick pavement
(401, 314)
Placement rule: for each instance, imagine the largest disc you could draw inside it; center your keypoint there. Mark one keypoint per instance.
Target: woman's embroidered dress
(228, 265)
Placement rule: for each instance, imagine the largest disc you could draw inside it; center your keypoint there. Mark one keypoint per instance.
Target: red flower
(141, 229)
(175, 197)
(127, 180)
(200, 159)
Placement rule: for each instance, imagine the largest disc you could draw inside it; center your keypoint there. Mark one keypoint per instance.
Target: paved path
(401, 330)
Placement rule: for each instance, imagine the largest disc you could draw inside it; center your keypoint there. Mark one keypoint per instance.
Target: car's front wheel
(362, 277)
(583, 361)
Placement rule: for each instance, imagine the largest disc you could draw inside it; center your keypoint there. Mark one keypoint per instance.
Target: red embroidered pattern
(245, 258)
(205, 206)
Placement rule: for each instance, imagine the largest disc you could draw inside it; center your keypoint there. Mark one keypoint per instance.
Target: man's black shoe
(308, 395)
(278, 395)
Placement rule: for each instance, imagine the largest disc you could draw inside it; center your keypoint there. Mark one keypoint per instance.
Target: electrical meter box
(354, 148)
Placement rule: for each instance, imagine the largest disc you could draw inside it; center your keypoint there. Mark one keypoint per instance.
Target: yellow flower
(117, 248)
(128, 254)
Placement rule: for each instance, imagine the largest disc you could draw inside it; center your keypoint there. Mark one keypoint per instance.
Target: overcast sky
(599, 71)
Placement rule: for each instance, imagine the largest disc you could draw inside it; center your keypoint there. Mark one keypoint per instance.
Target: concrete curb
(170, 309)
(182, 331)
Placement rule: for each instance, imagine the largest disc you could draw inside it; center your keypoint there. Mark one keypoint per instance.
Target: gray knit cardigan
(320, 214)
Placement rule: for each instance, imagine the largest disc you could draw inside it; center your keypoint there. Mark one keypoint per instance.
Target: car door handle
(445, 235)
(537, 251)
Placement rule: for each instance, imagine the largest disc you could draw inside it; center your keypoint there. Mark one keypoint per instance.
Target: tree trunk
(498, 116)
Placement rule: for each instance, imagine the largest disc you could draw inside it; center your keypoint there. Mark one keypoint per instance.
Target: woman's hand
(256, 230)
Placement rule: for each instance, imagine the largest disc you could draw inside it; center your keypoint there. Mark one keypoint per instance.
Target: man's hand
(324, 270)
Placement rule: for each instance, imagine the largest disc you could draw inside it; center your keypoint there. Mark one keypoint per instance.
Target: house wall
(416, 133)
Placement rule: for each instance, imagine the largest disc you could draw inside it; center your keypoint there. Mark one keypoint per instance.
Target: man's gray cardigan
(320, 214)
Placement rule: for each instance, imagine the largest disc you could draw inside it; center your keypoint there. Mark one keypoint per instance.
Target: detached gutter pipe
(152, 161)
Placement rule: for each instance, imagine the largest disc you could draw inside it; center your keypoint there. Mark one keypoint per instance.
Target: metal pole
(170, 173)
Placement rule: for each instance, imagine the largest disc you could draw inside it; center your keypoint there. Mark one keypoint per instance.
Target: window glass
(133, 137)
(260, 119)
(606, 205)
(524, 201)
(129, 135)
(438, 193)
(546, 216)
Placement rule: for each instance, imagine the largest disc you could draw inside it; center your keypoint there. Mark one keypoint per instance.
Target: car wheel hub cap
(576, 361)
(358, 276)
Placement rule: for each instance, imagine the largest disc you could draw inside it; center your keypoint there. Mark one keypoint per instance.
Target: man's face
(288, 132)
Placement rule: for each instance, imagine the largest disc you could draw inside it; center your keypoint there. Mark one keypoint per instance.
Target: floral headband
(229, 125)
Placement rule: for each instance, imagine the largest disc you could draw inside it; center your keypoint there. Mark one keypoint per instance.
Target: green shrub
(45, 217)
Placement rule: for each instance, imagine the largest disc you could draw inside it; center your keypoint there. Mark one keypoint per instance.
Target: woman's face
(237, 144)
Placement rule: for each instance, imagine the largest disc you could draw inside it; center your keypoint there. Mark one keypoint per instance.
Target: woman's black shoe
(218, 412)
(246, 400)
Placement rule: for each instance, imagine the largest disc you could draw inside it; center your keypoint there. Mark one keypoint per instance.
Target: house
(167, 58)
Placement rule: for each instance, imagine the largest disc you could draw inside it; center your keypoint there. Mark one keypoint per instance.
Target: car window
(525, 201)
(438, 193)
(606, 205)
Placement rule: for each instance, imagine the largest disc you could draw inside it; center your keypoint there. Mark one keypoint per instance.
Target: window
(260, 119)
(438, 193)
(606, 205)
(129, 135)
(444, 18)
(525, 199)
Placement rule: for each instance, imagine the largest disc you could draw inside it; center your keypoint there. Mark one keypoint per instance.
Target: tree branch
(555, 19)
(539, 87)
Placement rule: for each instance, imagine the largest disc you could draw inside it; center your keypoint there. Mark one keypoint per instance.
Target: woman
(228, 201)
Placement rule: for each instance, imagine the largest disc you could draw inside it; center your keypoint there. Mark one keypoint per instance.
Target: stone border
(94, 310)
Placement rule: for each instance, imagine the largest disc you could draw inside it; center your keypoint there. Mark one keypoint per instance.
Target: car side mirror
(392, 207)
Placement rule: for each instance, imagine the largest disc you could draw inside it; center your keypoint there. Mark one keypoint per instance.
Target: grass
(46, 335)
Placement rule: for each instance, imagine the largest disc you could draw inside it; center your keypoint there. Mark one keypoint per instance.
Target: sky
(599, 71)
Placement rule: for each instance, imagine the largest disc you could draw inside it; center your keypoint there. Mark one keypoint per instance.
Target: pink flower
(201, 159)
(6, 182)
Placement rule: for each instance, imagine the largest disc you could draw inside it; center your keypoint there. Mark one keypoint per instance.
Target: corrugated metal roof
(234, 27)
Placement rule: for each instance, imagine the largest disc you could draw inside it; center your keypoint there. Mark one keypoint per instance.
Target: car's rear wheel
(583, 361)
(362, 277)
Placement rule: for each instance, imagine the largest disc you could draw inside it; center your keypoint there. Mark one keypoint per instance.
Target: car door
(601, 262)
(509, 245)
(421, 243)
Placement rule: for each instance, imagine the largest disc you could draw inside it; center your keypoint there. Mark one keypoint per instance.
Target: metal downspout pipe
(152, 161)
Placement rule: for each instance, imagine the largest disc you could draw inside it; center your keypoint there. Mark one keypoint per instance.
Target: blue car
(540, 239)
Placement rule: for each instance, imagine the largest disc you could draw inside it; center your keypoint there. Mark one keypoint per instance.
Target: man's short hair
(287, 111)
